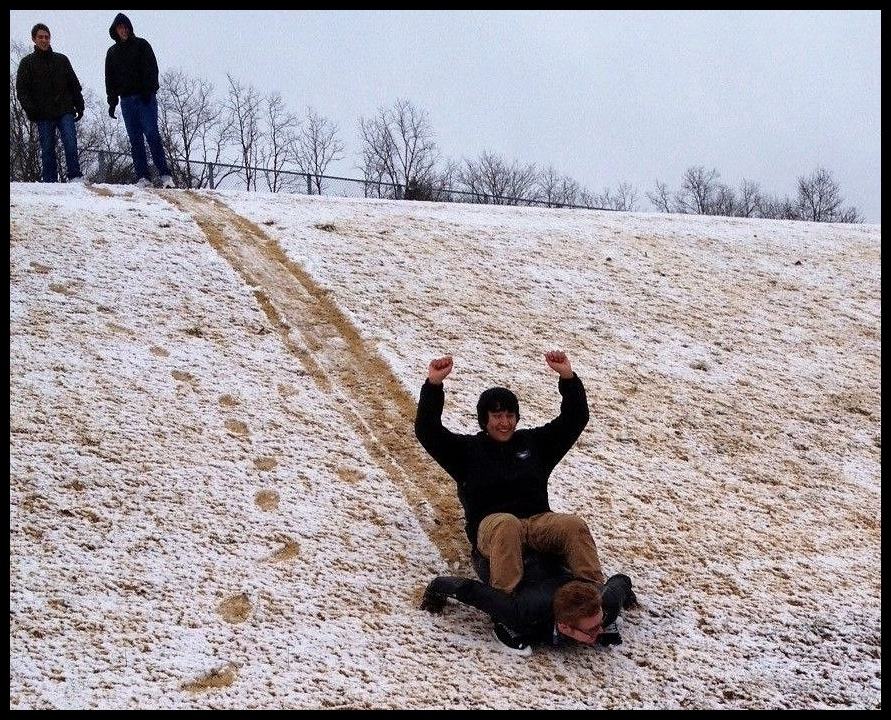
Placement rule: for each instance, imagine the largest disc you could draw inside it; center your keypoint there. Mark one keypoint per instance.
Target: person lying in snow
(502, 474)
(550, 606)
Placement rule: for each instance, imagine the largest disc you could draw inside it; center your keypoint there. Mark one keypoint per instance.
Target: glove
(609, 638)
(111, 111)
(433, 602)
(146, 98)
(617, 593)
(78, 114)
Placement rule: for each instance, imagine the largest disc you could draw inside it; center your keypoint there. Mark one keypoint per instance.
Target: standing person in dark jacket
(502, 475)
(549, 606)
(131, 74)
(50, 95)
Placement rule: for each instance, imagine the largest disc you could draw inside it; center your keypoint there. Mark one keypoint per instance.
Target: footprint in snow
(236, 427)
(267, 500)
(235, 609)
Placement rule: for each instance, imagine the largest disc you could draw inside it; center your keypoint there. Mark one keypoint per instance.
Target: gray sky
(605, 97)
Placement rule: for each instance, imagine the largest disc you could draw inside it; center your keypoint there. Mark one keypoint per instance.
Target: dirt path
(366, 393)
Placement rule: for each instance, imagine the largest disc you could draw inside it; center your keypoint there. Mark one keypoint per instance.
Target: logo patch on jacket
(523, 454)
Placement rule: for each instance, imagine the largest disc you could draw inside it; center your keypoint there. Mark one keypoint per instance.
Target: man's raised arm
(565, 429)
(436, 440)
(558, 361)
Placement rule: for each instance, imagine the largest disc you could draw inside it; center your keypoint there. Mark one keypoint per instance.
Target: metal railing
(104, 166)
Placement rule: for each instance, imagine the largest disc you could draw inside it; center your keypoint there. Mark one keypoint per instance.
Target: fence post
(210, 176)
(103, 166)
(308, 185)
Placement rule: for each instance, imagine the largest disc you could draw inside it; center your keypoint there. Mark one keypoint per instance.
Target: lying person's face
(585, 630)
(501, 425)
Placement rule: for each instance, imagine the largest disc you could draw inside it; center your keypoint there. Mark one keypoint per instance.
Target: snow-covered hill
(217, 500)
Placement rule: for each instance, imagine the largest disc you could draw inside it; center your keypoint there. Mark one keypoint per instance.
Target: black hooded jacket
(493, 476)
(529, 609)
(47, 87)
(130, 65)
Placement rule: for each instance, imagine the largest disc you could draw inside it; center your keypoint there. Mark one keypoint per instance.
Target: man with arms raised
(502, 477)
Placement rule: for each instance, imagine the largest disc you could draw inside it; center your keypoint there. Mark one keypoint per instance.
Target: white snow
(165, 393)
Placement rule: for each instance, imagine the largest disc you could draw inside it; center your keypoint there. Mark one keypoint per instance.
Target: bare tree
(493, 181)
(373, 173)
(850, 215)
(661, 197)
(820, 199)
(244, 107)
(194, 127)
(749, 198)
(723, 202)
(316, 146)
(698, 189)
(486, 178)
(521, 184)
(548, 182)
(776, 208)
(398, 146)
(442, 181)
(624, 198)
(24, 144)
(276, 151)
(588, 198)
(568, 191)
(170, 127)
(604, 199)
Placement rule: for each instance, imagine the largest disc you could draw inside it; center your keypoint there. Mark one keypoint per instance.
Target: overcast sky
(605, 97)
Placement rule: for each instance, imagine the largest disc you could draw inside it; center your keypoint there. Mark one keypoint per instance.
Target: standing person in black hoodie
(50, 95)
(131, 74)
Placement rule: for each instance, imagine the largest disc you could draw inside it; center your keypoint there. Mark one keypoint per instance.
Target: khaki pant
(501, 538)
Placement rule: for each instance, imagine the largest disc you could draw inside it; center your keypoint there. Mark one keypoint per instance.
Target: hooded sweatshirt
(130, 65)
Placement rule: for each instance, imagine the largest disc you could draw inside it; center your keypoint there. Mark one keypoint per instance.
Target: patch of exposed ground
(317, 332)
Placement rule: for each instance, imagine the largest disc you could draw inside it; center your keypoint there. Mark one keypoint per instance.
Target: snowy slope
(217, 500)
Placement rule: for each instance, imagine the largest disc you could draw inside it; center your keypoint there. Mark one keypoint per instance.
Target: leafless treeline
(701, 192)
(398, 157)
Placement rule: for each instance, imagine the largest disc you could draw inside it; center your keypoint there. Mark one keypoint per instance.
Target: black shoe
(510, 641)
(610, 635)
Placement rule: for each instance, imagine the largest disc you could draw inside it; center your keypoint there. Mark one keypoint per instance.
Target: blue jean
(141, 120)
(46, 131)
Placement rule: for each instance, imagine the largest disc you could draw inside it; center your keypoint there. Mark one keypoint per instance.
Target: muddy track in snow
(363, 388)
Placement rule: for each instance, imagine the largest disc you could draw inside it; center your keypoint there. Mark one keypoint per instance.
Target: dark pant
(46, 131)
(141, 121)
